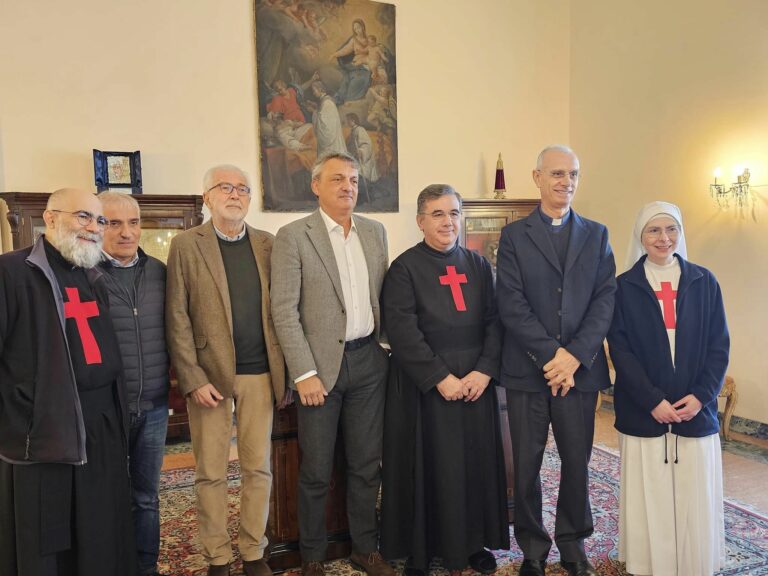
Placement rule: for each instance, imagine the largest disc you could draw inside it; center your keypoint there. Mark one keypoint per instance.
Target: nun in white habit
(669, 344)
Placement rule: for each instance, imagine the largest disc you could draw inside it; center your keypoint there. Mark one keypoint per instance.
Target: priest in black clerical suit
(443, 486)
(555, 289)
(64, 487)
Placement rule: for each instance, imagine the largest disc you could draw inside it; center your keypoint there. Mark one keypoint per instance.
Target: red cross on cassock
(667, 297)
(81, 311)
(454, 281)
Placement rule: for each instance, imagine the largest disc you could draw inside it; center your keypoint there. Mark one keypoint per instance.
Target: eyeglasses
(85, 218)
(440, 215)
(654, 232)
(227, 188)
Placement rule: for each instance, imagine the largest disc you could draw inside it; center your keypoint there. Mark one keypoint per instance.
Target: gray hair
(320, 163)
(120, 199)
(553, 148)
(208, 182)
(433, 192)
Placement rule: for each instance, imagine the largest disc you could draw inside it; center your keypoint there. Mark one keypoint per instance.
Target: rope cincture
(677, 459)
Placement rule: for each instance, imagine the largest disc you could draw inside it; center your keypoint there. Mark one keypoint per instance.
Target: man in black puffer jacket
(136, 284)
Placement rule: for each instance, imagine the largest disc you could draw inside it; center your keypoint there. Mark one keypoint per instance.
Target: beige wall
(662, 93)
(176, 80)
(652, 94)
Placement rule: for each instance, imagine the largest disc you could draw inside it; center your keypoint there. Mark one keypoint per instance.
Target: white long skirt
(671, 520)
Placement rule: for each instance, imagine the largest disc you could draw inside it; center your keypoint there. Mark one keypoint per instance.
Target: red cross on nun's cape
(455, 281)
(667, 297)
(81, 311)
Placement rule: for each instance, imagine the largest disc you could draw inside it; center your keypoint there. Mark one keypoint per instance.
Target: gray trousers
(357, 402)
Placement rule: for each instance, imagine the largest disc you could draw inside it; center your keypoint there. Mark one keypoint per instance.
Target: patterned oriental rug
(746, 530)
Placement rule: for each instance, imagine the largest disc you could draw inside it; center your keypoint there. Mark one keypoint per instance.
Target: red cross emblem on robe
(454, 280)
(81, 311)
(668, 297)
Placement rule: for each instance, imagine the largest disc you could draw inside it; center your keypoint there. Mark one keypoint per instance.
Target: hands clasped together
(681, 411)
(560, 370)
(469, 388)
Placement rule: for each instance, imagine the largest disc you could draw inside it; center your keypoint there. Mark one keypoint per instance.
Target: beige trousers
(211, 430)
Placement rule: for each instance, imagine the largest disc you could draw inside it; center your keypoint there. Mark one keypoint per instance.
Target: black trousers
(64, 520)
(573, 425)
(357, 403)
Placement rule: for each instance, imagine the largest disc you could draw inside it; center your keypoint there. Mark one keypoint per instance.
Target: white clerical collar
(331, 224)
(226, 238)
(117, 264)
(555, 221)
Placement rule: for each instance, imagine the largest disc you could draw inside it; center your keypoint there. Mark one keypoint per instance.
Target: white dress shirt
(353, 272)
(239, 236)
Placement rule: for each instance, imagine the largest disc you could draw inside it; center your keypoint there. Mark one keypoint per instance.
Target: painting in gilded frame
(327, 82)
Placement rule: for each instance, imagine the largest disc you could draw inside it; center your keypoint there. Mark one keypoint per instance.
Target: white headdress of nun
(646, 214)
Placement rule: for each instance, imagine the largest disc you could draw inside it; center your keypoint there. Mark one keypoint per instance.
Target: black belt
(359, 343)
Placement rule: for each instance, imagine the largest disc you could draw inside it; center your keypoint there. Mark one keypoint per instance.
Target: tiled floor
(745, 462)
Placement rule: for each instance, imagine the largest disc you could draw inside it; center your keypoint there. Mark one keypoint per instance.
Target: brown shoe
(256, 567)
(218, 569)
(312, 569)
(372, 563)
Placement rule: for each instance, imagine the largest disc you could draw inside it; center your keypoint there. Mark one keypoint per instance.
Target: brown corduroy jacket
(199, 314)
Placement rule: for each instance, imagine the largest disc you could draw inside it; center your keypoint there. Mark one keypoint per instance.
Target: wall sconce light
(738, 193)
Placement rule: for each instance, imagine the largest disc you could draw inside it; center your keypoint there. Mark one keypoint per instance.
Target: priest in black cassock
(64, 487)
(443, 479)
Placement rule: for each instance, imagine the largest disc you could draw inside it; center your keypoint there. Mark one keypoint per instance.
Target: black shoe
(218, 569)
(532, 568)
(580, 568)
(483, 562)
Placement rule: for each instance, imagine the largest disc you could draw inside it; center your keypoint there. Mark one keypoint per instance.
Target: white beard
(82, 254)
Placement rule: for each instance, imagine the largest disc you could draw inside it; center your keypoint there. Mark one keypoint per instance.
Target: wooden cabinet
(481, 224)
(162, 217)
(482, 220)
(283, 527)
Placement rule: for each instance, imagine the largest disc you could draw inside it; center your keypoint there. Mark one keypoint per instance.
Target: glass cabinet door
(157, 233)
(483, 219)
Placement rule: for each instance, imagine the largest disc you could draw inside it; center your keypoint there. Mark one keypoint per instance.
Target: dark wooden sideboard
(283, 528)
(162, 217)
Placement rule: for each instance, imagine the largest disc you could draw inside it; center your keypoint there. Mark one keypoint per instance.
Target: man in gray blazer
(327, 271)
(225, 352)
(555, 288)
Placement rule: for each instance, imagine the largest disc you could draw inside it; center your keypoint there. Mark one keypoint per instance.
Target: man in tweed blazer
(224, 349)
(327, 271)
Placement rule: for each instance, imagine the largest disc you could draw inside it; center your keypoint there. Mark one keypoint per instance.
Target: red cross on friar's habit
(454, 281)
(667, 297)
(81, 311)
